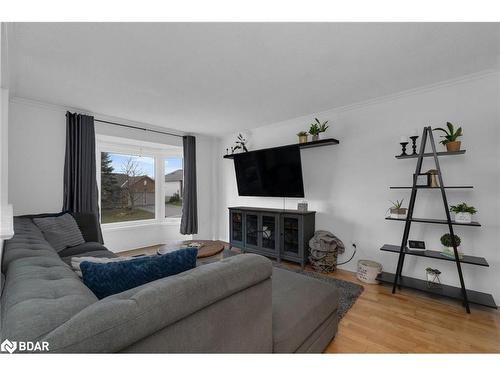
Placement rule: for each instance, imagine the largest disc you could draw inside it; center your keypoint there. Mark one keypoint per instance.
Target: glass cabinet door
(291, 235)
(237, 226)
(252, 230)
(269, 232)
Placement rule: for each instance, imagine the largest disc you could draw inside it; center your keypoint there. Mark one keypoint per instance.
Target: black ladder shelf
(397, 279)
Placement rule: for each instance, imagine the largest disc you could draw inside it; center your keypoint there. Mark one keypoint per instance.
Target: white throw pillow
(75, 262)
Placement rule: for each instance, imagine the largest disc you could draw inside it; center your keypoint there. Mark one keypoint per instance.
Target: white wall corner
(6, 222)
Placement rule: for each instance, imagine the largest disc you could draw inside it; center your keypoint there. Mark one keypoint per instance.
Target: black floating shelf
(432, 187)
(477, 298)
(436, 221)
(430, 154)
(320, 143)
(479, 261)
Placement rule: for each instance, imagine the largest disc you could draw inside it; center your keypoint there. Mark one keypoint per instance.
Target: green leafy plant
(451, 134)
(318, 127)
(397, 204)
(240, 144)
(446, 240)
(302, 134)
(462, 207)
(433, 271)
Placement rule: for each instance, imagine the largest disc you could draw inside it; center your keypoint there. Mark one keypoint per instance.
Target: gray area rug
(348, 292)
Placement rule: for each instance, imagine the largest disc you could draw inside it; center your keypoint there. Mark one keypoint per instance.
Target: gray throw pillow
(60, 231)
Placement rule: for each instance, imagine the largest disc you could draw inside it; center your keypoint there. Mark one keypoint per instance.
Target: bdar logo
(8, 346)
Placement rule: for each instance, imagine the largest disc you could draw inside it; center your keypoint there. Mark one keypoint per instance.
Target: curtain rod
(136, 127)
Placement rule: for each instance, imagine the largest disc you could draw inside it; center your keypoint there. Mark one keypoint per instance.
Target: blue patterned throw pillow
(105, 279)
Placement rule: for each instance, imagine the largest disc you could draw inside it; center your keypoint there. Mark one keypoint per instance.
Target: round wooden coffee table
(207, 249)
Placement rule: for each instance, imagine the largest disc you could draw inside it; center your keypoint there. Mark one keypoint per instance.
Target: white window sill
(109, 227)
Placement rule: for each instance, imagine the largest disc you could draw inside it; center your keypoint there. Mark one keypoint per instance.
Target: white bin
(368, 271)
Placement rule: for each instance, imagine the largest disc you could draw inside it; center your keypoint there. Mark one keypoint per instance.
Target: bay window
(139, 185)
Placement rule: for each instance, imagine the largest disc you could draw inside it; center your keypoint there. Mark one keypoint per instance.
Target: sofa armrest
(118, 321)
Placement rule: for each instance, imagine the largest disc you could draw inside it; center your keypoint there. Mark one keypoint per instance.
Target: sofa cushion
(301, 304)
(106, 279)
(86, 249)
(28, 241)
(60, 231)
(40, 294)
(118, 321)
(78, 260)
(88, 222)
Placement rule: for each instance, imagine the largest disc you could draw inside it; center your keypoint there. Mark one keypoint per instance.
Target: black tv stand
(275, 233)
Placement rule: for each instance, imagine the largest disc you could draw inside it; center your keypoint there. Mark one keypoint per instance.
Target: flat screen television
(274, 172)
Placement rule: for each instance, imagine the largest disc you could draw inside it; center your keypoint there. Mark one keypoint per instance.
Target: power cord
(354, 253)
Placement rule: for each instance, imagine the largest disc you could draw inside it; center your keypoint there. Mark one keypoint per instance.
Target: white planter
(449, 251)
(398, 213)
(463, 217)
(398, 216)
(433, 280)
(430, 277)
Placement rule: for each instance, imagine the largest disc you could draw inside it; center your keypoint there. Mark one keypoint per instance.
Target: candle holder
(414, 144)
(403, 146)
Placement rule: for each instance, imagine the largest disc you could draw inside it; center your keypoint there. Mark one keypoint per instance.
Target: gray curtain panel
(189, 220)
(80, 184)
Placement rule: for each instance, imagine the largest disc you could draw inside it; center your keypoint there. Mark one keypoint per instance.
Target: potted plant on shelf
(450, 137)
(397, 211)
(317, 128)
(448, 246)
(240, 144)
(433, 277)
(302, 137)
(463, 213)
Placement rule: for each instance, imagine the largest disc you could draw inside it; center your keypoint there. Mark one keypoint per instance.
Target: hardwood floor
(412, 322)
(407, 322)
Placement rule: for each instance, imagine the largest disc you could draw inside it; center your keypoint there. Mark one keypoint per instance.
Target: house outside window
(129, 191)
(127, 188)
(174, 184)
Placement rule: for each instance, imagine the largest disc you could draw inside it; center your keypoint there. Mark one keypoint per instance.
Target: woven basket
(323, 261)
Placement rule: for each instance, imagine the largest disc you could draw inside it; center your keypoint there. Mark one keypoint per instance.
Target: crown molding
(63, 109)
(415, 91)
(350, 107)
(379, 100)
(4, 61)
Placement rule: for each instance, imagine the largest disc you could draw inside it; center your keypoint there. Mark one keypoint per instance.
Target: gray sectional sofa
(238, 305)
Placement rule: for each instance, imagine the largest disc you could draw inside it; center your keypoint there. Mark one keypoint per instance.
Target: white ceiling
(217, 78)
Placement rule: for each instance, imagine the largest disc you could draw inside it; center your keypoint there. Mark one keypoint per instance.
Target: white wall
(6, 229)
(36, 161)
(347, 184)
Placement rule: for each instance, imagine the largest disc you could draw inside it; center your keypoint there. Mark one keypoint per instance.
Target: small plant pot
(315, 137)
(453, 146)
(430, 277)
(302, 138)
(433, 280)
(449, 252)
(463, 217)
(398, 213)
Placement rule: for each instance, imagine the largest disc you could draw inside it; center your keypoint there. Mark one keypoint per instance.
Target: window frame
(159, 153)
